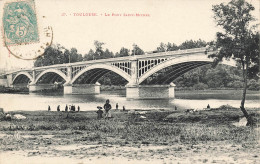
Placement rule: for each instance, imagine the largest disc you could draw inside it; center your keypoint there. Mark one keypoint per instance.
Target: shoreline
(161, 136)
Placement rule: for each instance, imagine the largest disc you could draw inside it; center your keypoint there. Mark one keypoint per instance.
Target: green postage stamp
(20, 23)
(26, 33)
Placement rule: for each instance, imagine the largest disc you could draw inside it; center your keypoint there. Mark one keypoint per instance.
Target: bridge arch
(57, 72)
(25, 74)
(99, 72)
(183, 64)
(200, 59)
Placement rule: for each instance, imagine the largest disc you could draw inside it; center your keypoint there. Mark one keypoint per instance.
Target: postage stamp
(25, 34)
(20, 23)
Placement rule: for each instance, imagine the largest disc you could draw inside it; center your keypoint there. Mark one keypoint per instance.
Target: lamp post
(69, 57)
(62, 49)
(134, 47)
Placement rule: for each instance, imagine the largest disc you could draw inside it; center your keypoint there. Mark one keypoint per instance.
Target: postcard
(120, 81)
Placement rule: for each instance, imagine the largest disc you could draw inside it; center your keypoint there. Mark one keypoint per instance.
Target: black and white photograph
(129, 81)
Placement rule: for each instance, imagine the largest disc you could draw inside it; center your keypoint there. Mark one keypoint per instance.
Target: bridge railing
(172, 53)
(119, 59)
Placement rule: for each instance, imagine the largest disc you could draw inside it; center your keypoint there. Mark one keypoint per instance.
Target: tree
(99, 49)
(108, 54)
(123, 52)
(172, 47)
(137, 50)
(192, 44)
(89, 55)
(57, 54)
(238, 40)
(162, 47)
(52, 55)
(74, 56)
(167, 47)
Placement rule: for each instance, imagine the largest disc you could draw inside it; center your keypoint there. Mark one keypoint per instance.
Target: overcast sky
(173, 21)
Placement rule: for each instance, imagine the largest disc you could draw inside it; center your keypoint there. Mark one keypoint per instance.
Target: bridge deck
(120, 59)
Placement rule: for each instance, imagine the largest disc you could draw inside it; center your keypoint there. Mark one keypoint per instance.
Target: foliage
(89, 55)
(226, 107)
(98, 53)
(192, 44)
(222, 76)
(235, 84)
(56, 54)
(137, 50)
(253, 85)
(123, 52)
(112, 78)
(167, 47)
(200, 86)
(218, 77)
(238, 40)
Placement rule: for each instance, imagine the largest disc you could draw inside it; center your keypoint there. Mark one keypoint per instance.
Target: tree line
(200, 78)
(58, 54)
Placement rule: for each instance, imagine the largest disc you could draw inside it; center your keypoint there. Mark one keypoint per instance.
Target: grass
(163, 134)
(217, 94)
(158, 128)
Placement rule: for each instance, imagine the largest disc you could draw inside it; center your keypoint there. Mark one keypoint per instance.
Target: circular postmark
(23, 35)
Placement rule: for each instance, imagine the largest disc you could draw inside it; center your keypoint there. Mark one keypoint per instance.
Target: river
(183, 100)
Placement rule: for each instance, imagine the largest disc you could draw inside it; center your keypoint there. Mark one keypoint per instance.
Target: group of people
(107, 108)
(117, 107)
(70, 108)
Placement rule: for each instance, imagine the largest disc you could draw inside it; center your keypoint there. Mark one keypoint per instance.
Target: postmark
(25, 34)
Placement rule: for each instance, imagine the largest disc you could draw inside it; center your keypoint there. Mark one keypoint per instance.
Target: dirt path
(77, 153)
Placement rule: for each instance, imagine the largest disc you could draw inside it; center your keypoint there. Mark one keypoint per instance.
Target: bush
(253, 85)
(236, 84)
(2, 116)
(226, 107)
(200, 86)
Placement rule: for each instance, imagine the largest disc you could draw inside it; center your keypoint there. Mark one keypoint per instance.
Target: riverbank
(13, 90)
(122, 87)
(141, 136)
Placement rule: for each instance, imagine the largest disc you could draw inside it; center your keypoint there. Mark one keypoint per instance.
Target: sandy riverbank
(146, 137)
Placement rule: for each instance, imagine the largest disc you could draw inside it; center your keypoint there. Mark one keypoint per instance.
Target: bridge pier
(150, 91)
(82, 88)
(9, 80)
(39, 87)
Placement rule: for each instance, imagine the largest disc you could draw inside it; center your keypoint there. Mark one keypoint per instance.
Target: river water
(183, 100)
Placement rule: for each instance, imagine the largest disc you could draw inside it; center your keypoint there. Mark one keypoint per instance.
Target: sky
(173, 21)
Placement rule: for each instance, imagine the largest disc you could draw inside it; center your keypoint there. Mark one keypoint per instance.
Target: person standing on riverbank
(66, 108)
(58, 108)
(72, 108)
(107, 108)
(49, 108)
(99, 112)
(78, 108)
(116, 106)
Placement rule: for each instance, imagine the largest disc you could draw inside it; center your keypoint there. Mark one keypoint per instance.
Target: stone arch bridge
(148, 75)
